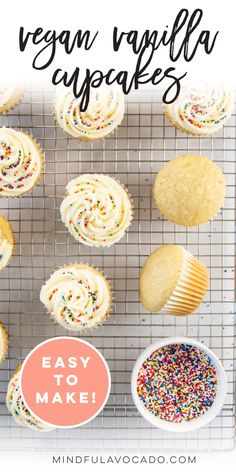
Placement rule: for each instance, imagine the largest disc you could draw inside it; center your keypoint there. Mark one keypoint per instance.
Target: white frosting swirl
(18, 409)
(97, 210)
(20, 162)
(78, 297)
(10, 93)
(104, 113)
(201, 110)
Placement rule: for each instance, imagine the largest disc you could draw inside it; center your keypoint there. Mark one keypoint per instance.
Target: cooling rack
(134, 154)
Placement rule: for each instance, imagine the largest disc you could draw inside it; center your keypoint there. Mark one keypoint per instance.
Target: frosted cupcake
(104, 113)
(77, 296)
(201, 110)
(97, 210)
(10, 95)
(3, 343)
(6, 242)
(189, 190)
(18, 409)
(172, 281)
(21, 162)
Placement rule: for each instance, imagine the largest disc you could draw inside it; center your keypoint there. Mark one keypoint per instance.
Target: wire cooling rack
(134, 154)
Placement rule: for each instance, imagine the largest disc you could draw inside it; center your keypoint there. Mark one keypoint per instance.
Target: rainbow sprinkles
(177, 383)
(21, 162)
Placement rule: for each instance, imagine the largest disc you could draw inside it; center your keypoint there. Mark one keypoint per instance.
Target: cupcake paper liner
(131, 217)
(42, 162)
(13, 102)
(8, 229)
(19, 410)
(4, 341)
(18, 368)
(190, 288)
(99, 271)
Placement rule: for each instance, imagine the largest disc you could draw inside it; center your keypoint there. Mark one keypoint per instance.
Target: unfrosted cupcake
(201, 110)
(77, 296)
(104, 113)
(18, 409)
(189, 190)
(172, 281)
(97, 209)
(10, 95)
(3, 343)
(6, 242)
(21, 162)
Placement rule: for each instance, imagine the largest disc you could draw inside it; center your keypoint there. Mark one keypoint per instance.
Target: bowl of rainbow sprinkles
(178, 384)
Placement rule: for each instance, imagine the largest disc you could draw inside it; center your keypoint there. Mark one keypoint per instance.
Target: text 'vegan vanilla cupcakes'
(189, 190)
(97, 210)
(3, 343)
(201, 110)
(172, 281)
(6, 242)
(21, 162)
(10, 95)
(18, 409)
(77, 296)
(104, 113)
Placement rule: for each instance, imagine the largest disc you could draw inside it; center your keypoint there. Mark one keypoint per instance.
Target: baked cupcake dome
(201, 110)
(3, 343)
(10, 95)
(77, 296)
(6, 242)
(18, 409)
(189, 190)
(172, 281)
(97, 210)
(21, 162)
(104, 113)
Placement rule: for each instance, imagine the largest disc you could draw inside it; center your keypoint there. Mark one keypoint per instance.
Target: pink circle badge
(65, 382)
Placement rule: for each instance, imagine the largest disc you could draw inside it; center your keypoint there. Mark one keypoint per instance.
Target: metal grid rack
(134, 154)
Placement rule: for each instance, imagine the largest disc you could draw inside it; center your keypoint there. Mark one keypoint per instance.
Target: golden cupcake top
(6, 242)
(78, 297)
(3, 343)
(104, 113)
(201, 109)
(21, 162)
(172, 281)
(97, 209)
(189, 190)
(19, 410)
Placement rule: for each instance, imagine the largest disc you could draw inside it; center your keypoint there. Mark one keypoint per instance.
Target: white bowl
(185, 425)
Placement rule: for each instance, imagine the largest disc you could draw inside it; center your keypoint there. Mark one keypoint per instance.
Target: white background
(28, 462)
(103, 16)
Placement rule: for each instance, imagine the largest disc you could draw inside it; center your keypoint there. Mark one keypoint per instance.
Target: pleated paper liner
(131, 209)
(99, 322)
(3, 342)
(190, 288)
(21, 415)
(6, 233)
(13, 101)
(41, 160)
